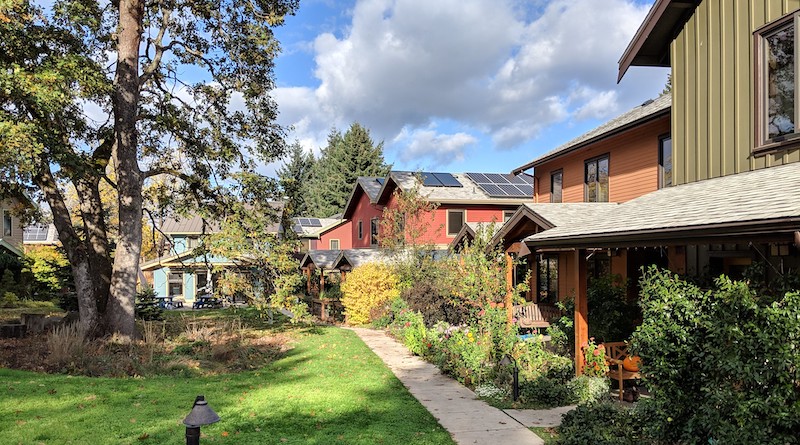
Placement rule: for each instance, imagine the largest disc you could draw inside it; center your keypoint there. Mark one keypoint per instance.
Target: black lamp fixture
(201, 414)
(509, 360)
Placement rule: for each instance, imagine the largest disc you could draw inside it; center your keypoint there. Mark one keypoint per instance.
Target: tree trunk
(96, 237)
(120, 309)
(76, 251)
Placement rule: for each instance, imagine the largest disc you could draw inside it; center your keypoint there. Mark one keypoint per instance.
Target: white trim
(510, 214)
(447, 221)
(338, 244)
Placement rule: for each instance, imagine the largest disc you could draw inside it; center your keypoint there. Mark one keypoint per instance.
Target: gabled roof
(321, 259)
(646, 112)
(470, 229)
(10, 247)
(194, 225)
(352, 258)
(760, 202)
(650, 45)
(469, 193)
(370, 185)
(188, 258)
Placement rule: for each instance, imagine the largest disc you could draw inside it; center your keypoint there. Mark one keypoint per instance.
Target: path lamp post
(509, 360)
(201, 414)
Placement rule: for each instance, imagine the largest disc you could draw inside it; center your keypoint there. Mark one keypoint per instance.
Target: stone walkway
(467, 419)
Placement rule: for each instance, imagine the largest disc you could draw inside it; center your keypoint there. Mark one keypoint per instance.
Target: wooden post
(321, 281)
(509, 288)
(533, 267)
(343, 274)
(308, 280)
(581, 309)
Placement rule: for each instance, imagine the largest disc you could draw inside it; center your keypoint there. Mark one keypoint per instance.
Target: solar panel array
(439, 180)
(36, 232)
(503, 186)
(309, 222)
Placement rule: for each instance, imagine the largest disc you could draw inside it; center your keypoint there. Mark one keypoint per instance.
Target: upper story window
(596, 179)
(7, 223)
(556, 185)
(360, 229)
(455, 220)
(665, 162)
(776, 79)
(373, 231)
(334, 244)
(507, 214)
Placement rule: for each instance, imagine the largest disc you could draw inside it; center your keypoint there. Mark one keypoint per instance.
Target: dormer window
(776, 80)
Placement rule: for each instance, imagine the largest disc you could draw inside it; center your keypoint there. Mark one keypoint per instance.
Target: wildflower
(596, 352)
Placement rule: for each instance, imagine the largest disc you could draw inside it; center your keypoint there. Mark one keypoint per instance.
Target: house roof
(649, 110)
(194, 225)
(469, 193)
(326, 224)
(760, 202)
(650, 44)
(357, 257)
(10, 247)
(470, 229)
(40, 234)
(188, 258)
(321, 259)
(370, 185)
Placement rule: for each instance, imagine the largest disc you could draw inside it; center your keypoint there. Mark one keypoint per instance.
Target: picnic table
(206, 302)
(169, 302)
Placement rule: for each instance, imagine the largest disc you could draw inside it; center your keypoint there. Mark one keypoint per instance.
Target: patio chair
(616, 353)
(534, 316)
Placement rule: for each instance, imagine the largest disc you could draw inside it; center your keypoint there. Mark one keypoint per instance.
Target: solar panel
(35, 233)
(510, 189)
(380, 180)
(314, 222)
(496, 178)
(499, 185)
(527, 190)
(447, 180)
(478, 178)
(520, 179)
(493, 190)
(429, 180)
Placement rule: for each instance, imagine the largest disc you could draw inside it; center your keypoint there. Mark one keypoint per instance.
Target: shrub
(426, 297)
(613, 317)
(585, 389)
(601, 423)
(488, 391)
(66, 344)
(594, 359)
(368, 288)
(723, 365)
(9, 299)
(147, 307)
(544, 392)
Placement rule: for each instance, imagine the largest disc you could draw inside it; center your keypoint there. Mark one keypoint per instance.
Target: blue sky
(459, 85)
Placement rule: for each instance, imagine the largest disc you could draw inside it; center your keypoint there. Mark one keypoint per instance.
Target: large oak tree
(171, 89)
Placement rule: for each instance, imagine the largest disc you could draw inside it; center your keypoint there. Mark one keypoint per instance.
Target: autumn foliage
(367, 289)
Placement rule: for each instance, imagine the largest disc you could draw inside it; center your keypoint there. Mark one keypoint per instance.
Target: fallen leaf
(133, 420)
(144, 436)
(225, 434)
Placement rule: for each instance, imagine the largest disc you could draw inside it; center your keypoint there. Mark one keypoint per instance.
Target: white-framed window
(455, 220)
(507, 214)
(333, 244)
(776, 78)
(7, 223)
(373, 231)
(175, 284)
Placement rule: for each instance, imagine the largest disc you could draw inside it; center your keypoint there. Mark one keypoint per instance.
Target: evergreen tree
(343, 160)
(294, 179)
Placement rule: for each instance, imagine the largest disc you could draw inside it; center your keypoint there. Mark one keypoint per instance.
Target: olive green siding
(713, 89)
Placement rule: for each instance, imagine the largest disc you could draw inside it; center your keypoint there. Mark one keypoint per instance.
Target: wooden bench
(616, 353)
(535, 316)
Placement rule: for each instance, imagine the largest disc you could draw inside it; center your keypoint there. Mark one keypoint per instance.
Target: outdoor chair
(535, 316)
(616, 353)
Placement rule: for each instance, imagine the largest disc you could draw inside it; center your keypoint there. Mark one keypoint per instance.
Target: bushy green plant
(600, 423)
(595, 364)
(613, 317)
(562, 331)
(723, 365)
(585, 389)
(147, 307)
(544, 392)
(9, 299)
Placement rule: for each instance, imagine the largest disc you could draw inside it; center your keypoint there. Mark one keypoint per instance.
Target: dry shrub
(66, 343)
(197, 331)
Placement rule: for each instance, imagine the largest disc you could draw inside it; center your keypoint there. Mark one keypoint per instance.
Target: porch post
(581, 309)
(321, 280)
(343, 274)
(509, 288)
(308, 280)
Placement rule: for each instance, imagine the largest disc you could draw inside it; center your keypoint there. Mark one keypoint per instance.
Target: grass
(549, 435)
(329, 389)
(43, 307)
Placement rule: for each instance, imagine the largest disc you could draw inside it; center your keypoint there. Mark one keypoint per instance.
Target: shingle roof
(770, 195)
(194, 225)
(315, 232)
(358, 257)
(371, 185)
(562, 213)
(644, 112)
(470, 192)
(321, 259)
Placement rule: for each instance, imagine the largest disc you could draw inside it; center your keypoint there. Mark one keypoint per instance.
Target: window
(547, 278)
(373, 232)
(507, 214)
(360, 229)
(556, 184)
(334, 244)
(455, 220)
(175, 284)
(664, 162)
(201, 278)
(7, 223)
(776, 79)
(192, 242)
(596, 180)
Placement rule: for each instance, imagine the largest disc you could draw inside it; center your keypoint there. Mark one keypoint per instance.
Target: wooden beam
(321, 281)
(581, 309)
(308, 280)
(509, 288)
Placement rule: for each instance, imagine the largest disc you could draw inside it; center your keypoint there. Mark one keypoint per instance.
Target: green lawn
(329, 389)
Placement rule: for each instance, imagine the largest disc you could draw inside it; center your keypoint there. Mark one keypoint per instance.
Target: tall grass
(66, 343)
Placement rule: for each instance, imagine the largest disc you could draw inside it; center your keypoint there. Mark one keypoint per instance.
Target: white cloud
(493, 67)
(440, 149)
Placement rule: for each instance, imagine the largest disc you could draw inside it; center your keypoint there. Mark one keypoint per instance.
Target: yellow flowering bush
(367, 290)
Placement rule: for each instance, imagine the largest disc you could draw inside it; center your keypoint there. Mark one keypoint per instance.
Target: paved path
(468, 419)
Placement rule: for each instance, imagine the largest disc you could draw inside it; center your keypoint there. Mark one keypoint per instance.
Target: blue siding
(160, 281)
(188, 286)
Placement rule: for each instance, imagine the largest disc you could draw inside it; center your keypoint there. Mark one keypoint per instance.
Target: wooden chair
(535, 316)
(616, 353)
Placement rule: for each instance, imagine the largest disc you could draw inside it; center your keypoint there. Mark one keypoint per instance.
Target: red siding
(343, 233)
(633, 165)
(363, 212)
